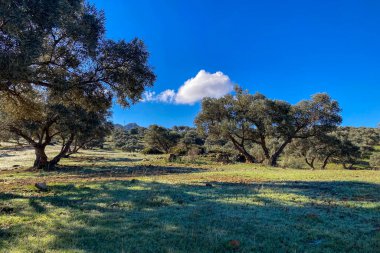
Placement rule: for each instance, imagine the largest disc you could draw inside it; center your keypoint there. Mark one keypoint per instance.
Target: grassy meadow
(112, 201)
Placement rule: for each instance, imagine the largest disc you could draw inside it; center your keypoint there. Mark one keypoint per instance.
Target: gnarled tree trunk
(325, 162)
(62, 153)
(249, 158)
(41, 160)
(310, 163)
(273, 159)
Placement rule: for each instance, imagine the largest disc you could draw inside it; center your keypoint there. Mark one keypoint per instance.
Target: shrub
(151, 151)
(374, 160)
(194, 151)
(179, 150)
(238, 158)
(293, 162)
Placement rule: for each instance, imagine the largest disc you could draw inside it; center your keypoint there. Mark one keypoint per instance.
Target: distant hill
(131, 126)
(128, 126)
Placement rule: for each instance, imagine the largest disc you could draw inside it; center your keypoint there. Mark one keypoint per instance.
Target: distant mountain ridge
(128, 126)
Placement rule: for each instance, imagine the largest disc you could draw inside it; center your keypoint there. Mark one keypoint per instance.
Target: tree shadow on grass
(334, 190)
(5, 155)
(138, 216)
(102, 159)
(124, 171)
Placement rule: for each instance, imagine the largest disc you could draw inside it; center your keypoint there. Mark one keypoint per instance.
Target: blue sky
(286, 50)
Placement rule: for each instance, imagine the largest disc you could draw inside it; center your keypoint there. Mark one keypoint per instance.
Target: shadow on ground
(102, 159)
(5, 155)
(124, 171)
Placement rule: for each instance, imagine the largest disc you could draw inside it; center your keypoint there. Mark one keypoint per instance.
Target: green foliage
(317, 149)
(191, 137)
(348, 153)
(160, 138)
(293, 162)
(151, 151)
(363, 137)
(189, 143)
(179, 149)
(374, 160)
(61, 45)
(128, 139)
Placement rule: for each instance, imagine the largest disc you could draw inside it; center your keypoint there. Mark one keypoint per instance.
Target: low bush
(151, 151)
(374, 160)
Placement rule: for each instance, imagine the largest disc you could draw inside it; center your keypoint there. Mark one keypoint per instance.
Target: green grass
(110, 201)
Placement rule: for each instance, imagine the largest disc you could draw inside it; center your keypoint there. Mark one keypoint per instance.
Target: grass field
(110, 201)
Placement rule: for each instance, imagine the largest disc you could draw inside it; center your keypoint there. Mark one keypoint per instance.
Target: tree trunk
(311, 163)
(64, 150)
(325, 162)
(350, 166)
(272, 161)
(244, 152)
(265, 149)
(249, 158)
(41, 160)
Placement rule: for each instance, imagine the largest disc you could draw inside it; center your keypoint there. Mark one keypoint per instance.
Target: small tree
(191, 137)
(348, 154)
(120, 136)
(374, 160)
(319, 149)
(160, 138)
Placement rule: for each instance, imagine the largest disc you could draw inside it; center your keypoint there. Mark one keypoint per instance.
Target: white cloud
(148, 96)
(168, 96)
(204, 84)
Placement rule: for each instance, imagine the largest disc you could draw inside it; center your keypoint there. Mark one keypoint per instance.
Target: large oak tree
(55, 61)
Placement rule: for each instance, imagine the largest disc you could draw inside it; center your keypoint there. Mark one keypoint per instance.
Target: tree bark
(272, 161)
(264, 147)
(41, 160)
(311, 163)
(348, 167)
(325, 162)
(243, 151)
(62, 153)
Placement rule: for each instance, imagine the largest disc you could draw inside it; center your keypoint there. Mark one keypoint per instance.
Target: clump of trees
(363, 137)
(128, 139)
(253, 128)
(264, 130)
(323, 149)
(59, 74)
(160, 138)
(248, 120)
(179, 140)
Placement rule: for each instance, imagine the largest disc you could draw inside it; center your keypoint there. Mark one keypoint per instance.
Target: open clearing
(111, 201)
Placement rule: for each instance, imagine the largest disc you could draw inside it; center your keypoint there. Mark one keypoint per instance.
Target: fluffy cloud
(168, 96)
(204, 84)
